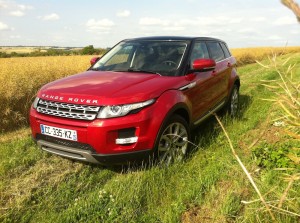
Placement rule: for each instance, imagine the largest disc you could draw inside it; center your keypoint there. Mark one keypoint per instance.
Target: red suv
(139, 100)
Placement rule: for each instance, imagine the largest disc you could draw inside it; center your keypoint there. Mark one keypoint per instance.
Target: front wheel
(173, 140)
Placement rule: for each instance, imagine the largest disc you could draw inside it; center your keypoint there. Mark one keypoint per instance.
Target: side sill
(208, 114)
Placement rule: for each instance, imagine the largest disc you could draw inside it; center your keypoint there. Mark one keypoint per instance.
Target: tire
(232, 106)
(172, 141)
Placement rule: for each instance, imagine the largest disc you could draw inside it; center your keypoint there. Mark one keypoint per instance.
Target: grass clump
(279, 155)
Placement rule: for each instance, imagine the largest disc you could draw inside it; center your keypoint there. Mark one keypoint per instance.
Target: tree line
(88, 50)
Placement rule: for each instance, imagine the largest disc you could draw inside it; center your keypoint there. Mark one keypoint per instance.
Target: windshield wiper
(94, 69)
(143, 71)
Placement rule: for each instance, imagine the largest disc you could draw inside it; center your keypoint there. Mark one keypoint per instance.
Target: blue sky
(246, 23)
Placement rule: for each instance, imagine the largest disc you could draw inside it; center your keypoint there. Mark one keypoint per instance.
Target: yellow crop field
(9, 50)
(250, 55)
(20, 78)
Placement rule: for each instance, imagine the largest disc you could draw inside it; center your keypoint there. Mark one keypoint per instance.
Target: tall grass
(291, 4)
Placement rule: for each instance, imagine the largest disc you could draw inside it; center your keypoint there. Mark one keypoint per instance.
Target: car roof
(174, 38)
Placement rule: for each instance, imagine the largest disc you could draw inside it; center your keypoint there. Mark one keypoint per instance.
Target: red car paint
(192, 93)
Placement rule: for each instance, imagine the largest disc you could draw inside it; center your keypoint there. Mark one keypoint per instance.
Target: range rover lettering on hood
(70, 99)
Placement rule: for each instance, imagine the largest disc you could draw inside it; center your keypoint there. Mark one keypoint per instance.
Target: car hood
(107, 87)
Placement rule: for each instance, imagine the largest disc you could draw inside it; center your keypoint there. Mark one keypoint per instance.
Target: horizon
(52, 46)
(250, 23)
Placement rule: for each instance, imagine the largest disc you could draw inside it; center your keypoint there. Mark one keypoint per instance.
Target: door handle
(214, 73)
(229, 64)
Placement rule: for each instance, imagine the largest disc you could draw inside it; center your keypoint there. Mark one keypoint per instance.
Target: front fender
(169, 103)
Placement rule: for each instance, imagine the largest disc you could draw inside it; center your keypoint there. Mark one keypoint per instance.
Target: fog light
(127, 140)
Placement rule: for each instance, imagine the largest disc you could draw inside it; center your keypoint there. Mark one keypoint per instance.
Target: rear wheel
(233, 103)
(172, 142)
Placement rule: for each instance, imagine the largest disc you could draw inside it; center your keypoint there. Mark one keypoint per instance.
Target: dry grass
(292, 5)
(251, 55)
(21, 78)
(9, 50)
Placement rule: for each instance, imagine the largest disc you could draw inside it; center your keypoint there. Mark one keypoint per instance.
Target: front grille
(63, 142)
(65, 110)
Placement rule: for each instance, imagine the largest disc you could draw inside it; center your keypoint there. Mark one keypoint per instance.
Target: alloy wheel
(173, 143)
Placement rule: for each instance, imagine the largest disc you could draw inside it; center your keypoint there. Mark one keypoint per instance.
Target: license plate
(59, 132)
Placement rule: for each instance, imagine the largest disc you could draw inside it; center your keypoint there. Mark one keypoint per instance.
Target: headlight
(35, 102)
(121, 110)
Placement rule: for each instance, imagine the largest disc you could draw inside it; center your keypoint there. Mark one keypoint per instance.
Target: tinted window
(216, 51)
(163, 57)
(121, 56)
(225, 49)
(199, 51)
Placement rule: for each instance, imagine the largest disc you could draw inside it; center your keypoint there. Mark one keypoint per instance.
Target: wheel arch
(180, 109)
(237, 82)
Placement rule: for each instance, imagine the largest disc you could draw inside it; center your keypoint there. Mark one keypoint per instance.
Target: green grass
(208, 187)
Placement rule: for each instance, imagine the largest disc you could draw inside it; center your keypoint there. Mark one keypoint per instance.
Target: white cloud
(294, 32)
(258, 19)
(99, 25)
(124, 13)
(24, 7)
(286, 20)
(247, 30)
(15, 37)
(5, 27)
(150, 21)
(3, 4)
(17, 13)
(12, 5)
(274, 37)
(174, 28)
(50, 17)
(68, 28)
(215, 20)
(209, 21)
(187, 22)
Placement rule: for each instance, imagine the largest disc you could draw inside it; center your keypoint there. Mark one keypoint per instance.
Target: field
(28, 49)
(250, 55)
(209, 186)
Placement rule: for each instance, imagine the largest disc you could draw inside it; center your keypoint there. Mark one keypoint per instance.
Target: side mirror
(203, 65)
(94, 60)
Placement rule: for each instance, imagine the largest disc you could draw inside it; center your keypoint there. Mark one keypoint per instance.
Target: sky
(74, 23)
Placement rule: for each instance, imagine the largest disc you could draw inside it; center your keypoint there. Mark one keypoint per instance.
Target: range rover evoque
(139, 100)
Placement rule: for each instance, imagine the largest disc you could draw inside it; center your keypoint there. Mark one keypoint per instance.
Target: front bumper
(88, 156)
(97, 140)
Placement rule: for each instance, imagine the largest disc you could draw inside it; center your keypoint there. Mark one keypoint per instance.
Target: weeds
(286, 92)
(293, 6)
(245, 170)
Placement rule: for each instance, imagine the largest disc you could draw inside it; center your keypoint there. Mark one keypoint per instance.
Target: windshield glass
(161, 57)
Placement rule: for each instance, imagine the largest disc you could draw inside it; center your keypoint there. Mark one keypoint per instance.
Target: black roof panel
(172, 38)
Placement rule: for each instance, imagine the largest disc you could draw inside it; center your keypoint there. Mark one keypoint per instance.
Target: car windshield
(160, 57)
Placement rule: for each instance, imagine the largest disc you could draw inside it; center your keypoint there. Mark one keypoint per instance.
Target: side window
(199, 51)
(216, 51)
(225, 49)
